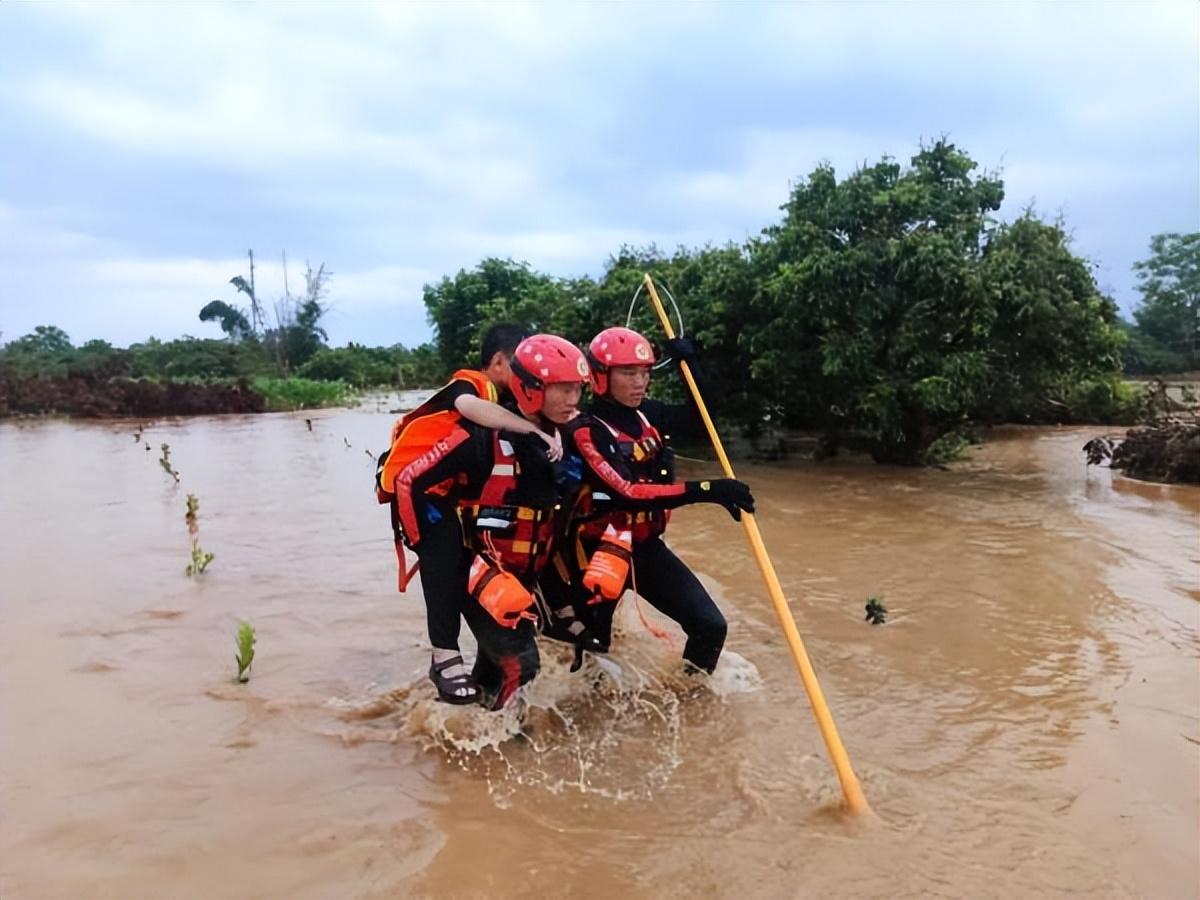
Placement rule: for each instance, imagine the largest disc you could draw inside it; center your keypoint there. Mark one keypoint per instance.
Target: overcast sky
(144, 148)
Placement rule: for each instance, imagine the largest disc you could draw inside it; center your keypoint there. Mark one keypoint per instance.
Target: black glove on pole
(734, 495)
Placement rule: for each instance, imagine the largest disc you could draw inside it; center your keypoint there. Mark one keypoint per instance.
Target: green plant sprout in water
(200, 559)
(165, 462)
(876, 611)
(245, 654)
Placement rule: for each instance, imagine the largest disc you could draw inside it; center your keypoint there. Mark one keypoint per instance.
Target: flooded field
(1027, 724)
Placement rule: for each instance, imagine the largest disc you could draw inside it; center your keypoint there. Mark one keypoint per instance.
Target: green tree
(1169, 282)
(1052, 330)
(1143, 355)
(233, 320)
(47, 350)
(715, 289)
(190, 357)
(298, 335)
(354, 364)
(461, 309)
(878, 315)
(99, 360)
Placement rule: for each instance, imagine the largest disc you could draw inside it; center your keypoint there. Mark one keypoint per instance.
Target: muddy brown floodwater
(1025, 725)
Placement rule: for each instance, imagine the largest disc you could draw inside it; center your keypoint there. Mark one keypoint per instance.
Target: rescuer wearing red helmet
(474, 395)
(505, 494)
(622, 440)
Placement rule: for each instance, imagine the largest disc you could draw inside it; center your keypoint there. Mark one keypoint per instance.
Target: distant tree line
(890, 310)
(296, 346)
(47, 352)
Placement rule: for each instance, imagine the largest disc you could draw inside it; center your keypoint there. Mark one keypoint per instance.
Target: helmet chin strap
(527, 378)
(529, 384)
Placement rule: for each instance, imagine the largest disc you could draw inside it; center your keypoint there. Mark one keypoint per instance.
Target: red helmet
(540, 360)
(616, 347)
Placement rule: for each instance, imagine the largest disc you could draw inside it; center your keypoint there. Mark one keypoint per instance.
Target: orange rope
(657, 632)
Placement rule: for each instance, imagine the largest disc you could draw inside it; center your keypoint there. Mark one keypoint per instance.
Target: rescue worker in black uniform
(504, 494)
(475, 395)
(622, 440)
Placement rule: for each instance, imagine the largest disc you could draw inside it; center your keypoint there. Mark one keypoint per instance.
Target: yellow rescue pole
(851, 789)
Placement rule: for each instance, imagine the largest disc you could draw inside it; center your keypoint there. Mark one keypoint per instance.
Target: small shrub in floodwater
(165, 462)
(947, 448)
(200, 559)
(876, 611)
(245, 655)
(286, 394)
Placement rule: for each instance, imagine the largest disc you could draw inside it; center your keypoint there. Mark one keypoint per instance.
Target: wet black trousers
(444, 567)
(507, 657)
(668, 585)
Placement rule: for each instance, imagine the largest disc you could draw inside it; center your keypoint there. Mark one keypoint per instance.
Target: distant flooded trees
(1166, 337)
(889, 309)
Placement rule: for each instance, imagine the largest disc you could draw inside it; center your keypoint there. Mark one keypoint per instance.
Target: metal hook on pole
(856, 802)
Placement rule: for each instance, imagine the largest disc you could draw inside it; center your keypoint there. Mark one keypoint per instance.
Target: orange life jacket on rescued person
(416, 433)
(412, 437)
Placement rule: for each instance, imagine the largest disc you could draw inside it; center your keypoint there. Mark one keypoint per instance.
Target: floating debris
(876, 611)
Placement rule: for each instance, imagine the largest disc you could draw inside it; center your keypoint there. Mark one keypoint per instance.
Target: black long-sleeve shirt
(462, 462)
(459, 465)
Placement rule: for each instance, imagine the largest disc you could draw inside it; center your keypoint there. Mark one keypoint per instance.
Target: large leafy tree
(461, 308)
(47, 350)
(1052, 328)
(879, 314)
(1169, 281)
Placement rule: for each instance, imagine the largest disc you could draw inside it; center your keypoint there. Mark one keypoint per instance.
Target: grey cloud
(416, 139)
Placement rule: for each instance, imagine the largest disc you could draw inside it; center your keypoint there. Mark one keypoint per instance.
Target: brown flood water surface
(1025, 725)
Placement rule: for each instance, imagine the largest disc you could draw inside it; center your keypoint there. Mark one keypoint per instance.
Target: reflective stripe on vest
(644, 456)
(517, 537)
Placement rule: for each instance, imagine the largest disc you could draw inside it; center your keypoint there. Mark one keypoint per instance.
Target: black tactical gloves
(732, 494)
(680, 349)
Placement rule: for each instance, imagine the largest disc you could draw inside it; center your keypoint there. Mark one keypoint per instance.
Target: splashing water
(612, 729)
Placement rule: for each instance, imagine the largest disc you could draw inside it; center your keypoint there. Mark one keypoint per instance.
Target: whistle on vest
(608, 568)
(499, 592)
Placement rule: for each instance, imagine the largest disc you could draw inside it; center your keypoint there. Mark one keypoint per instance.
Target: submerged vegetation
(876, 611)
(200, 558)
(165, 462)
(246, 639)
(1168, 452)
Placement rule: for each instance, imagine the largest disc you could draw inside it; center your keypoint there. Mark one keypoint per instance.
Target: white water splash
(612, 729)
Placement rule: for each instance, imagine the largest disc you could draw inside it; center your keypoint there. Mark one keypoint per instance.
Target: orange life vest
(412, 437)
(416, 433)
(649, 459)
(518, 538)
